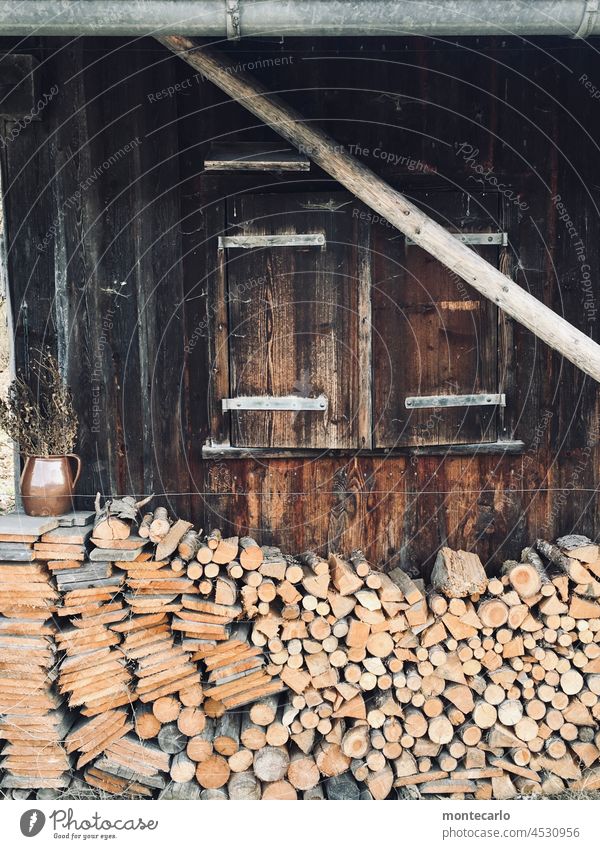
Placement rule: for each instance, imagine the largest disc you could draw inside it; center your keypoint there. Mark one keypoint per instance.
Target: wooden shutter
(433, 334)
(293, 322)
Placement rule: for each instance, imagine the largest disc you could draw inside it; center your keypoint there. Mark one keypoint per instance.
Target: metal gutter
(238, 18)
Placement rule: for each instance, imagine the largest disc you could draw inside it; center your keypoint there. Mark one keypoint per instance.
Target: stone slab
(21, 523)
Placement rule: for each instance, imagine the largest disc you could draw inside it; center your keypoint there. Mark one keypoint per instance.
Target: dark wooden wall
(92, 194)
(141, 229)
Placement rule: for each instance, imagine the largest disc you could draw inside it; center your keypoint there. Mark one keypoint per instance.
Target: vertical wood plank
(365, 339)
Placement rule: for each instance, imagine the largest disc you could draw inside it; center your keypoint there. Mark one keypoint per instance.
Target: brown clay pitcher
(48, 484)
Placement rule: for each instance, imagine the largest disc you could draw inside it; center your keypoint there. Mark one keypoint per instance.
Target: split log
(181, 791)
(458, 574)
(380, 783)
(172, 539)
(226, 551)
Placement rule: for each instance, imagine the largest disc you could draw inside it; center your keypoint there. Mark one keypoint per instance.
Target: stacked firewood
(204, 666)
(458, 689)
(33, 719)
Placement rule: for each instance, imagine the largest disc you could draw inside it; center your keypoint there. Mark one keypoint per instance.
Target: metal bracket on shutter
(427, 401)
(476, 239)
(285, 240)
(274, 403)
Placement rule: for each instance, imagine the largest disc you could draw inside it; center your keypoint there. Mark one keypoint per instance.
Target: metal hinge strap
(274, 403)
(484, 400)
(283, 240)
(476, 239)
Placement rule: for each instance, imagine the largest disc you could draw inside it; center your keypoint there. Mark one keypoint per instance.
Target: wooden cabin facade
(143, 259)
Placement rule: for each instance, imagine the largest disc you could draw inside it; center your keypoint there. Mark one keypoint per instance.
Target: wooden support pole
(551, 328)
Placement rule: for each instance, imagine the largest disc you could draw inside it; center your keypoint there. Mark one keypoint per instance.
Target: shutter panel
(433, 335)
(293, 321)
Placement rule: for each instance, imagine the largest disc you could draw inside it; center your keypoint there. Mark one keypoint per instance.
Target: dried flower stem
(44, 422)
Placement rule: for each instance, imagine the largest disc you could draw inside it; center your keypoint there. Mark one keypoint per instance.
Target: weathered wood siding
(424, 114)
(92, 195)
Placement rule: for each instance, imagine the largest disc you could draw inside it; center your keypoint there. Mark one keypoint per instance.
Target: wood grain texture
(293, 321)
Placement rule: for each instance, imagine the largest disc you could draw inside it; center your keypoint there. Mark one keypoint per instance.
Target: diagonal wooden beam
(550, 327)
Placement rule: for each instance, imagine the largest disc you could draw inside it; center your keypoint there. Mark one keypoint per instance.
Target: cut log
(440, 730)
(172, 538)
(356, 741)
(493, 613)
(271, 763)
(264, 711)
(281, 790)
(213, 772)
(182, 768)
(188, 546)
(525, 578)
(457, 574)
(251, 554)
(144, 526)
(343, 576)
(191, 721)
(244, 785)
(342, 787)
(171, 740)
(159, 527)
(303, 773)
(166, 709)
(226, 739)
(146, 723)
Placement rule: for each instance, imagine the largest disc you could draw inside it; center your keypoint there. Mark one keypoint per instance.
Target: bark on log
(458, 574)
(342, 788)
(244, 785)
(271, 763)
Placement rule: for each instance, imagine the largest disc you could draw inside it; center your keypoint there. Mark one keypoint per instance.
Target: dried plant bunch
(39, 414)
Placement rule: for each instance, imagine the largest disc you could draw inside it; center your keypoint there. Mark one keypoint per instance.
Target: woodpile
(207, 666)
(33, 719)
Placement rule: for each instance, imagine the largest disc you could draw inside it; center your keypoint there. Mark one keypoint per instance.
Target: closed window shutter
(293, 323)
(433, 335)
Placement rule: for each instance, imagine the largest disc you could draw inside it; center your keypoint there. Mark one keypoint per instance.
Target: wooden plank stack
(130, 767)
(33, 719)
(210, 667)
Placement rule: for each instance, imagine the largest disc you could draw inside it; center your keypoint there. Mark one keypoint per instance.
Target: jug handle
(77, 459)
(25, 464)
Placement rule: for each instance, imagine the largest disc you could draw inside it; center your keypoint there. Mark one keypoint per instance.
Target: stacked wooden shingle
(33, 719)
